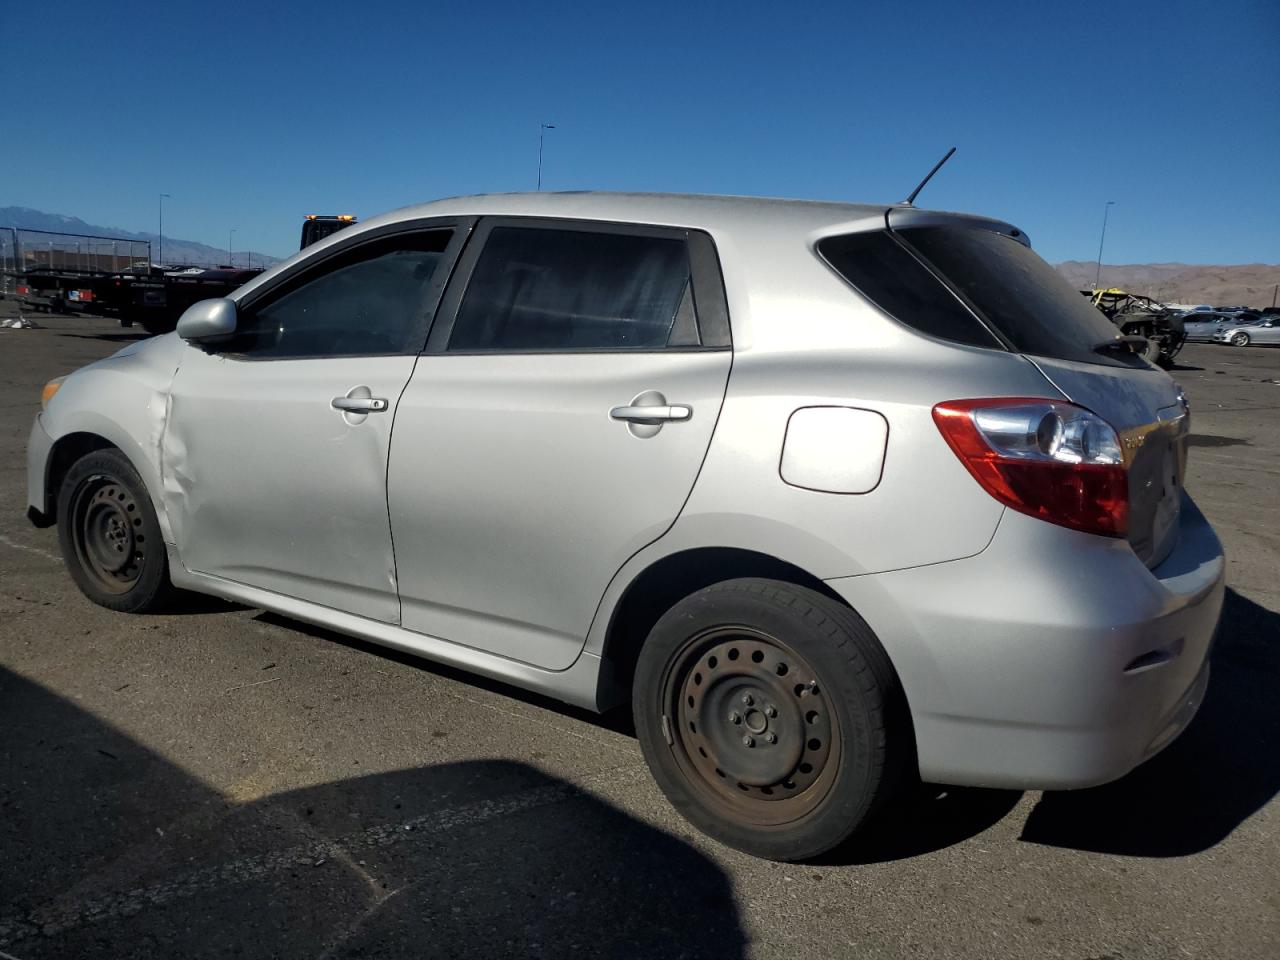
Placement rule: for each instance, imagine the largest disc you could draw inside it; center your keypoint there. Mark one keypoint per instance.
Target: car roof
(727, 215)
(702, 211)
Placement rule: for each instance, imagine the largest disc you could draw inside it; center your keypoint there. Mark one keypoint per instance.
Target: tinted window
(886, 273)
(368, 301)
(1018, 294)
(554, 290)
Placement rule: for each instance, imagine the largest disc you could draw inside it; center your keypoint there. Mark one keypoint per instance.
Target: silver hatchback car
(836, 496)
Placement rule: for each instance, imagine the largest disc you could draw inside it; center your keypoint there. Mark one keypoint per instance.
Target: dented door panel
(267, 484)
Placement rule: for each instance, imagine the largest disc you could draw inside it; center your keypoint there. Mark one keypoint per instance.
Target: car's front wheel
(1240, 339)
(110, 536)
(770, 717)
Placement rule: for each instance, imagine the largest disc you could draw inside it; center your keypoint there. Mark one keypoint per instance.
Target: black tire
(110, 536)
(739, 661)
(1240, 339)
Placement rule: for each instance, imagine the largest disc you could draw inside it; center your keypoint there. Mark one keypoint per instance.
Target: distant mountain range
(1248, 285)
(175, 250)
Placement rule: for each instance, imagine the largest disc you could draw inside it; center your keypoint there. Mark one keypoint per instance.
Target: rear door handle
(652, 414)
(360, 404)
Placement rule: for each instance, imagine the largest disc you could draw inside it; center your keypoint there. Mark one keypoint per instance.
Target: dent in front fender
(176, 478)
(39, 445)
(124, 399)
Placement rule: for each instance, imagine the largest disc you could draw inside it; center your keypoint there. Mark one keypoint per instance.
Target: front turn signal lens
(49, 390)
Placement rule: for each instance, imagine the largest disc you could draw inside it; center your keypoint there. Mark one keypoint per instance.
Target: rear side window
(537, 289)
(886, 273)
(1020, 295)
(976, 287)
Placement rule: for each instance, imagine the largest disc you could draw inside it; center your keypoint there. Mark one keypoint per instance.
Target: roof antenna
(936, 167)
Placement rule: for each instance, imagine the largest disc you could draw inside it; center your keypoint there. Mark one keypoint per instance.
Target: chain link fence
(29, 250)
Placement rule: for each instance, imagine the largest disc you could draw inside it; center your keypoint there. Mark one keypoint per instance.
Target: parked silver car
(1202, 326)
(1265, 331)
(835, 495)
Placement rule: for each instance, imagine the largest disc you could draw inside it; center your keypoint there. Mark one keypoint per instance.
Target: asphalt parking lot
(225, 782)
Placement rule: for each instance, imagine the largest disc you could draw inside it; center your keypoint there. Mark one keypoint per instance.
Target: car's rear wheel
(110, 536)
(770, 717)
(1240, 339)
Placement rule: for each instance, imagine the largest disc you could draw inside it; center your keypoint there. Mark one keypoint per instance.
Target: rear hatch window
(978, 287)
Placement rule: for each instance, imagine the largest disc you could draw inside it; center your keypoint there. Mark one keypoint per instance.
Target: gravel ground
(226, 782)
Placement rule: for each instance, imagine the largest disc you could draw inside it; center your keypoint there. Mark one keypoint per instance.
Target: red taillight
(1046, 458)
(23, 290)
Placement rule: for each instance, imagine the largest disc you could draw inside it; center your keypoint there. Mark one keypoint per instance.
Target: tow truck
(315, 227)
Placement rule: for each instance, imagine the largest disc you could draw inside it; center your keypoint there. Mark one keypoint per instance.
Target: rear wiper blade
(1130, 343)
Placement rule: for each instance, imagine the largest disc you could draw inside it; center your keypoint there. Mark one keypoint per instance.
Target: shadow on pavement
(618, 720)
(1224, 768)
(928, 819)
(106, 849)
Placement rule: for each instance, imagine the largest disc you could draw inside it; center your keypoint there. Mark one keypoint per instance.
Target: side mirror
(208, 321)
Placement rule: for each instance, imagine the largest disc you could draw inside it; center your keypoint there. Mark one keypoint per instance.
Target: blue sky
(251, 115)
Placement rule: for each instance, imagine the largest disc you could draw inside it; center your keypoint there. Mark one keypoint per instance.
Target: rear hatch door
(1030, 309)
(1146, 409)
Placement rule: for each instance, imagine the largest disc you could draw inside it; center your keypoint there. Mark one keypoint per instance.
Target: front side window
(367, 301)
(536, 289)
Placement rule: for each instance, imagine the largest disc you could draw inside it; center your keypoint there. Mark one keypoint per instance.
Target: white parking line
(25, 549)
(112, 906)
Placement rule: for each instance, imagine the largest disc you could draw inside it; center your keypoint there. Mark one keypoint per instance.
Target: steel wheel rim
(1240, 339)
(749, 725)
(106, 524)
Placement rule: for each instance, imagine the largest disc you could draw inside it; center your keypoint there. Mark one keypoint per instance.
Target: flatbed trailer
(66, 272)
(46, 274)
(58, 291)
(155, 302)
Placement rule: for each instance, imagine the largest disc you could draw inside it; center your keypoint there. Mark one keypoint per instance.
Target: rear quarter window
(976, 287)
(1018, 294)
(887, 274)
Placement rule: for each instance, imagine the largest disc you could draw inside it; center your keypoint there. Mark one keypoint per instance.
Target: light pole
(230, 234)
(160, 255)
(1097, 276)
(542, 132)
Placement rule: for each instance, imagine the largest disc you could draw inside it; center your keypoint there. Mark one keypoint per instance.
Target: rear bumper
(1053, 659)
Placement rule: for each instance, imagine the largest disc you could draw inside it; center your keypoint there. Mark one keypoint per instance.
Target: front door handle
(652, 414)
(360, 404)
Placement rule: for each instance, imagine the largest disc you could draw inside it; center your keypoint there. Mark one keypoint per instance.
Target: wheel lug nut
(748, 742)
(771, 738)
(771, 711)
(747, 699)
(735, 717)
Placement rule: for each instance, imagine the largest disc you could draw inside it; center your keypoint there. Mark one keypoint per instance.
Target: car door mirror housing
(208, 321)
